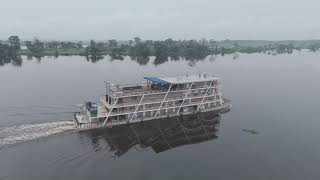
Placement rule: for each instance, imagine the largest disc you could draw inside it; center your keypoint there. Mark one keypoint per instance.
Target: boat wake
(21, 133)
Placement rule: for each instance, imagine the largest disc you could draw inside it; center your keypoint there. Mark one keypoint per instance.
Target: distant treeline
(9, 52)
(140, 50)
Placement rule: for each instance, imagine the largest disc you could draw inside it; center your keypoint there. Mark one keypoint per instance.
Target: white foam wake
(16, 134)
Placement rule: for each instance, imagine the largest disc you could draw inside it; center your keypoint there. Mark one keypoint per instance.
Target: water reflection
(159, 135)
(141, 60)
(14, 59)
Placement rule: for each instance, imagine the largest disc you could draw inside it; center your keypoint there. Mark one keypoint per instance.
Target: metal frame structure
(163, 100)
(135, 111)
(185, 97)
(110, 111)
(156, 95)
(205, 95)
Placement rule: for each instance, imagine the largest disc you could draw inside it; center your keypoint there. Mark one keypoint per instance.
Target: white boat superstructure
(155, 99)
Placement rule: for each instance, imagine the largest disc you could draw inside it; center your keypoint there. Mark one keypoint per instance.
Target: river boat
(157, 98)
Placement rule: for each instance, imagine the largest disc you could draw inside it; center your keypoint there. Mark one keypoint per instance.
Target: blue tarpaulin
(156, 80)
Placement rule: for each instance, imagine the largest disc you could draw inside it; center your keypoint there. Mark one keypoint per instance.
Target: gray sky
(160, 19)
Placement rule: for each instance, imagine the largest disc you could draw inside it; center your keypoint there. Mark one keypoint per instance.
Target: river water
(276, 96)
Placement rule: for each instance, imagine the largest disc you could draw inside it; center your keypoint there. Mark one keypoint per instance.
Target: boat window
(174, 87)
(131, 87)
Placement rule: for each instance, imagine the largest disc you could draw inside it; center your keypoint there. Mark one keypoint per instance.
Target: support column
(163, 100)
(185, 97)
(205, 95)
(110, 111)
(136, 108)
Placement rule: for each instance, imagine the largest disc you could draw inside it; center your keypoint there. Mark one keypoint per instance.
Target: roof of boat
(182, 79)
(156, 80)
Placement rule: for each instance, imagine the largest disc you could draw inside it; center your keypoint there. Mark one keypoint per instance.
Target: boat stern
(78, 118)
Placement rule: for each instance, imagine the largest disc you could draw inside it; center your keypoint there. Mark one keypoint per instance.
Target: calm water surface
(278, 96)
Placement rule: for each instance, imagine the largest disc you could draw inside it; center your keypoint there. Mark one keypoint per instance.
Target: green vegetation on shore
(172, 47)
(140, 50)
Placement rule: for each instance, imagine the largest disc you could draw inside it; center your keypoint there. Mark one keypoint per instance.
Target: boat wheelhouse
(157, 98)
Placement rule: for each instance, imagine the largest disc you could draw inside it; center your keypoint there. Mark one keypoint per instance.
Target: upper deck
(158, 85)
(190, 79)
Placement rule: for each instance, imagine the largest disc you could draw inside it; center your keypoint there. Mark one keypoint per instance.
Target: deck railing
(117, 92)
(155, 108)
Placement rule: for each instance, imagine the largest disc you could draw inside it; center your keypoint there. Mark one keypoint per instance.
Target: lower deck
(83, 122)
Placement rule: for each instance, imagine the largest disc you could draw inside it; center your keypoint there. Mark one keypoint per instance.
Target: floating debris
(251, 131)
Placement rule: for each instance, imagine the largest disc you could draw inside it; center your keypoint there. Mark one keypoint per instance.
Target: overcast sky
(160, 19)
